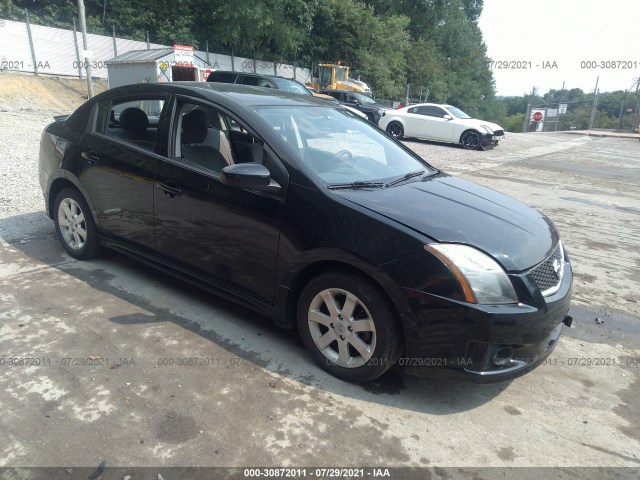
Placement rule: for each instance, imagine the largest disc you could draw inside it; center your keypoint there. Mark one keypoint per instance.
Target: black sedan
(364, 103)
(315, 218)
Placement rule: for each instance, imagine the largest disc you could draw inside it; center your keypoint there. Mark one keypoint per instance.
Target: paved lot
(260, 400)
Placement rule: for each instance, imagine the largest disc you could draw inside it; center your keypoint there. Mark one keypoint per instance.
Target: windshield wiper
(405, 177)
(356, 184)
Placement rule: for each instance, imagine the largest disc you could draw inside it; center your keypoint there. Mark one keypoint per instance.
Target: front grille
(497, 133)
(545, 275)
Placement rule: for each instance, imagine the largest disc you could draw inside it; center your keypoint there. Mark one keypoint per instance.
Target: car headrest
(133, 118)
(194, 127)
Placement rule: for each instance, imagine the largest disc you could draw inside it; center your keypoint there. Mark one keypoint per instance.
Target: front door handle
(170, 188)
(90, 156)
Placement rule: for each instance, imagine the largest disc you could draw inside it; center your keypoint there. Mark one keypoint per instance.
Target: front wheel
(396, 130)
(74, 225)
(348, 326)
(471, 140)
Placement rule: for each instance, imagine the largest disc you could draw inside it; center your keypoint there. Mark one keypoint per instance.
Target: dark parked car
(367, 105)
(300, 211)
(258, 80)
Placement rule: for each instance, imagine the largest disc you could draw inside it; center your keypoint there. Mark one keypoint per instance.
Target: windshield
(339, 147)
(291, 86)
(341, 74)
(456, 112)
(362, 98)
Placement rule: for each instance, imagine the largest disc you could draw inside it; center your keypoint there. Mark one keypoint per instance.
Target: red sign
(537, 116)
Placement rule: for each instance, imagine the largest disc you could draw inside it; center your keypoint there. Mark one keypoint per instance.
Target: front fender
(310, 263)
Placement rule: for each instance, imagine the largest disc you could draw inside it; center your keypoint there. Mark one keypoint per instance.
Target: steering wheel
(337, 158)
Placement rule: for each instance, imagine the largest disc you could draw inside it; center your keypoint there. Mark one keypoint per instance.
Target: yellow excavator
(333, 76)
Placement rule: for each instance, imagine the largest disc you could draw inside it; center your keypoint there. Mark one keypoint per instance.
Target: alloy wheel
(342, 328)
(72, 224)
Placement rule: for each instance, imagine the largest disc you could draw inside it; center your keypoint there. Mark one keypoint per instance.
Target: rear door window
(134, 121)
(249, 80)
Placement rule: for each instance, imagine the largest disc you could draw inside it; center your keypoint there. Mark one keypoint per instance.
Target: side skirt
(204, 282)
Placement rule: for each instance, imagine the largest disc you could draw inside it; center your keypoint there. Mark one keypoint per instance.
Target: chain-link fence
(615, 111)
(55, 51)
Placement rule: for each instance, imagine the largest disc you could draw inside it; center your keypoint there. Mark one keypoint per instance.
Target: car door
(229, 235)
(118, 157)
(430, 123)
(351, 101)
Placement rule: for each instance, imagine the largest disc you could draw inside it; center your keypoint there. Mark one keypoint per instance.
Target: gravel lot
(268, 404)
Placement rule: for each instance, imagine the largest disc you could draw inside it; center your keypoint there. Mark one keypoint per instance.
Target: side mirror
(250, 176)
(448, 117)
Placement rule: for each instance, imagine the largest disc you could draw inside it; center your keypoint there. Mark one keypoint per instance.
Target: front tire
(471, 140)
(396, 130)
(75, 227)
(348, 326)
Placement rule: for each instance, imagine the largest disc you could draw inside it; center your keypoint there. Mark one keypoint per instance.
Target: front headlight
(381, 113)
(489, 130)
(481, 278)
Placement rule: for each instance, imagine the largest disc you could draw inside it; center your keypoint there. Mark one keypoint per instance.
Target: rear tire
(396, 130)
(348, 326)
(75, 227)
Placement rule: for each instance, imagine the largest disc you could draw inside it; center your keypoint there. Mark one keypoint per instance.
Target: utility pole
(635, 113)
(558, 117)
(527, 113)
(85, 56)
(594, 105)
(624, 99)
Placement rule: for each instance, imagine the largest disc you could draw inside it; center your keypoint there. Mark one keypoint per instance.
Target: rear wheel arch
(60, 184)
(74, 223)
(57, 186)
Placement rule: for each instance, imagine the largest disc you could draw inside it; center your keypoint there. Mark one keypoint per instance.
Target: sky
(567, 32)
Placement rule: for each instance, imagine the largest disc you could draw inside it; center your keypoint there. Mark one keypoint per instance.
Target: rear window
(249, 80)
(222, 77)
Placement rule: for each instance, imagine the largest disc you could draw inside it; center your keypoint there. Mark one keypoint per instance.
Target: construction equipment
(333, 76)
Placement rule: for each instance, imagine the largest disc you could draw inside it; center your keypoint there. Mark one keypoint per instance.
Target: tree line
(434, 44)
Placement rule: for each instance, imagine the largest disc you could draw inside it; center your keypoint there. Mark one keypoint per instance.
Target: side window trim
(178, 98)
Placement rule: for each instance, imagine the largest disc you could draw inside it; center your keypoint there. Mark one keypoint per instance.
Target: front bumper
(482, 343)
(491, 140)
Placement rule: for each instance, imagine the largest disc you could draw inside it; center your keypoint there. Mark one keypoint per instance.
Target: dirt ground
(51, 94)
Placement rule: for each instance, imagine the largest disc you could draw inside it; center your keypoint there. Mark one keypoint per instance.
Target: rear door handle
(91, 156)
(170, 189)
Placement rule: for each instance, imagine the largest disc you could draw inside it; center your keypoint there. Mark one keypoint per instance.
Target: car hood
(474, 122)
(450, 209)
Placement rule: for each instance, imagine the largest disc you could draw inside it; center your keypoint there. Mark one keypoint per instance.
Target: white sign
(183, 55)
(88, 54)
(552, 112)
(562, 108)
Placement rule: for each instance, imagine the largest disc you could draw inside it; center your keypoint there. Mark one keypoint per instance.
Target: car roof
(226, 94)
